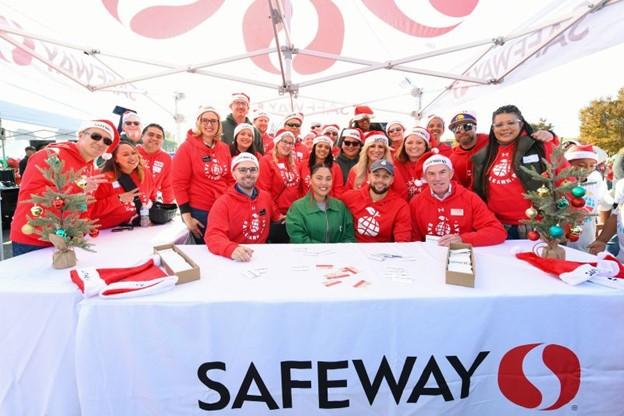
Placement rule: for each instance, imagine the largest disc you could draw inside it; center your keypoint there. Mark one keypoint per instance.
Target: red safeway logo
(516, 387)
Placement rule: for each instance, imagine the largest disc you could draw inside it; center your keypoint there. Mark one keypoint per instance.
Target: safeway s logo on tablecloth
(516, 387)
(163, 19)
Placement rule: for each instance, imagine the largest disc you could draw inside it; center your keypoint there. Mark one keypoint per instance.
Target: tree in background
(542, 124)
(602, 123)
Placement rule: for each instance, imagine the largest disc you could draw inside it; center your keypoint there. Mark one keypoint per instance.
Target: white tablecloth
(38, 318)
(169, 353)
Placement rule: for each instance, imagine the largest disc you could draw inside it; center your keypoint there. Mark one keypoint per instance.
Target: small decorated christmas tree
(558, 205)
(55, 215)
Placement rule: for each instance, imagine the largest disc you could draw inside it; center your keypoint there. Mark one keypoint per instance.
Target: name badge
(281, 165)
(115, 185)
(457, 211)
(157, 169)
(432, 239)
(530, 159)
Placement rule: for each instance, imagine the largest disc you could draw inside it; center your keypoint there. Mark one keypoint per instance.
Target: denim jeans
(19, 248)
(201, 216)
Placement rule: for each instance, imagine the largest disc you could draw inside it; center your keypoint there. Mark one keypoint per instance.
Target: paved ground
(6, 245)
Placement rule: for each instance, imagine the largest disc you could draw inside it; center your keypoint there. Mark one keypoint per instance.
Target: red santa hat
(293, 116)
(243, 126)
(257, 113)
(606, 271)
(353, 134)
(244, 157)
(437, 159)
(130, 116)
(322, 139)
(421, 132)
(392, 124)
(205, 109)
(240, 96)
(140, 280)
(109, 128)
(434, 116)
(330, 127)
(361, 112)
(581, 151)
(281, 134)
(375, 136)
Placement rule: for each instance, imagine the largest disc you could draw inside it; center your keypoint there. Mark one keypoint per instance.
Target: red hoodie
(237, 219)
(337, 183)
(280, 180)
(462, 164)
(301, 151)
(462, 212)
(200, 173)
(109, 210)
(399, 185)
(159, 163)
(267, 142)
(378, 222)
(33, 182)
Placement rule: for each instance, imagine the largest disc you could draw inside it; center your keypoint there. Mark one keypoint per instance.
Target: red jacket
(267, 142)
(33, 182)
(378, 222)
(462, 212)
(200, 173)
(109, 210)
(337, 183)
(462, 164)
(399, 185)
(159, 163)
(301, 151)
(237, 219)
(280, 180)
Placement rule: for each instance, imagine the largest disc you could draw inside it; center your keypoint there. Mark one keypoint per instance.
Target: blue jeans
(516, 232)
(19, 248)
(201, 216)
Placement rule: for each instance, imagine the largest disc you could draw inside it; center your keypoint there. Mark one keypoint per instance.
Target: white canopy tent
(403, 58)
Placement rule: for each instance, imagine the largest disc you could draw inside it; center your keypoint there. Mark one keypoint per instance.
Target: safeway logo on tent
(515, 386)
(16, 55)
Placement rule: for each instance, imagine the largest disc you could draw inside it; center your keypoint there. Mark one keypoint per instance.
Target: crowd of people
(236, 184)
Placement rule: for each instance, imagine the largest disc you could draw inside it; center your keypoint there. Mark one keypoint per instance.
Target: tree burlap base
(64, 256)
(552, 250)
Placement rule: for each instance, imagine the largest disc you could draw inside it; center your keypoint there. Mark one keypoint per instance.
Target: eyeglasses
(395, 130)
(351, 144)
(463, 127)
(97, 137)
(507, 124)
(209, 120)
(132, 123)
(315, 126)
(245, 171)
(293, 125)
(287, 143)
(332, 133)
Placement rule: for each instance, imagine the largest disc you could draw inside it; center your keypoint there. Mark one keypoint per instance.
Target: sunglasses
(315, 126)
(293, 125)
(351, 144)
(97, 137)
(463, 127)
(132, 123)
(332, 133)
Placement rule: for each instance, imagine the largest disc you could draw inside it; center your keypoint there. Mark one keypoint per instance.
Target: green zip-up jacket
(306, 223)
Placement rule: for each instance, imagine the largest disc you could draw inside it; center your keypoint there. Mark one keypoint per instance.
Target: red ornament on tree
(578, 202)
(572, 237)
(58, 203)
(533, 235)
(94, 232)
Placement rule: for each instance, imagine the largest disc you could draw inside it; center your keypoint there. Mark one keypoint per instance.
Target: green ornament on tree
(563, 203)
(555, 231)
(82, 207)
(61, 233)
(578, 191)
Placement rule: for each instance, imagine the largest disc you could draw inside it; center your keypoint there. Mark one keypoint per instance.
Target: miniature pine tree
(57, 211)
(558, 205)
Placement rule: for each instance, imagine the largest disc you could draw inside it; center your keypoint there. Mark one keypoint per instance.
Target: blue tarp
(18, 113)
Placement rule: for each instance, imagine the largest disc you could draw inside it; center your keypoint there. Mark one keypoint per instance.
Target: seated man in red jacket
(450, 212)
(242, 215)
(158, 161)
(380, 215)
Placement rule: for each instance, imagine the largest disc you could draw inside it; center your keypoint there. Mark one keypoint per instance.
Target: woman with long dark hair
(244, 141)
(497, 177)
(321, 154)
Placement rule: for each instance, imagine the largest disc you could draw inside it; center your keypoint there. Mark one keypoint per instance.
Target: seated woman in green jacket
(317, 217)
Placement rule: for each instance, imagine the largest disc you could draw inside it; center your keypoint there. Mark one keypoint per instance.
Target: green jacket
(227, 136)
(306, 223)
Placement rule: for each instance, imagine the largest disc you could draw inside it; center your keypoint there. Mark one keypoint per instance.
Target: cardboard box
(458, 278)
(184, 276)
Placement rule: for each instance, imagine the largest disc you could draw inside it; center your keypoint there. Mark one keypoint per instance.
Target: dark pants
(201, 216)
(278, 234)
(19, 248)
(516, 232)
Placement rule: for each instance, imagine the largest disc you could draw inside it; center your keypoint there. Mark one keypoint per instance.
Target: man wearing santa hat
(362, 116)
(261, 122)
(131, 127)
(242, 215)
(95, 138)
(449, 213)
(380, 215)
(239, 104)
(292, 123)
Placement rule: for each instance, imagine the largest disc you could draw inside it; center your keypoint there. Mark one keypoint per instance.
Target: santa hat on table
(145, 279)
(606, 271)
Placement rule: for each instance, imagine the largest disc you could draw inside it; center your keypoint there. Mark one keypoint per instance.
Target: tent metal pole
(276, 18)
(42, 59)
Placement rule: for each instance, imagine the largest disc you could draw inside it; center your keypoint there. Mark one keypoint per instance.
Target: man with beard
(242, 215)
(380, 215)
(240, 107)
